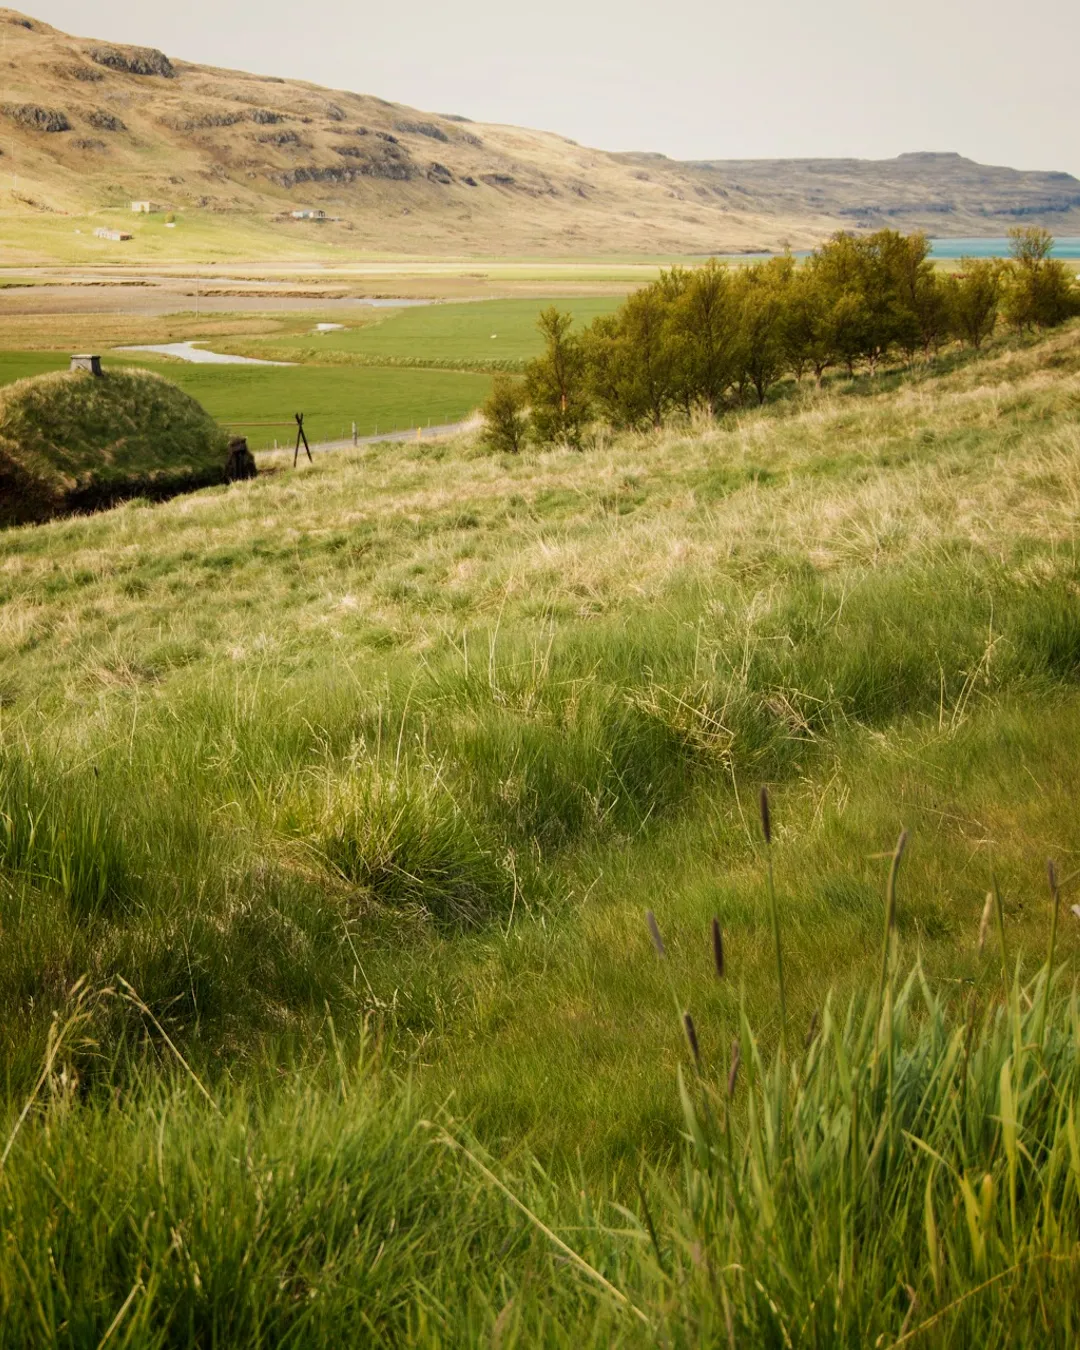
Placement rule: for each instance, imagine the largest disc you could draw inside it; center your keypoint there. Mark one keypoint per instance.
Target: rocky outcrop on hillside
(134, 60)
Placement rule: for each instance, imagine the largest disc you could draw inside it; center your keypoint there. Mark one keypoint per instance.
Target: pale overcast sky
(690, 78)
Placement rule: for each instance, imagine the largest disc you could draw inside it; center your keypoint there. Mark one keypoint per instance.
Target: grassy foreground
(345, 795)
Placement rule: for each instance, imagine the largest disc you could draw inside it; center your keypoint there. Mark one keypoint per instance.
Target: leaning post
(300, 436)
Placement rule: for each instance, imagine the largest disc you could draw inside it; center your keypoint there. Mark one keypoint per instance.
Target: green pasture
(331, 397)
(22, 365)
(480, 331)
(338, 379)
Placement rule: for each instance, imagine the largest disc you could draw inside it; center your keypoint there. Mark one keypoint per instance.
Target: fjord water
(995, 247)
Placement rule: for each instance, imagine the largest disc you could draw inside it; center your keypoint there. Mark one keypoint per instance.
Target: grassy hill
(89, 127)
(68, 439)
(344, 795)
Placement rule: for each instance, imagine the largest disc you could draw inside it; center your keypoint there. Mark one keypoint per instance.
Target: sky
(693, 79)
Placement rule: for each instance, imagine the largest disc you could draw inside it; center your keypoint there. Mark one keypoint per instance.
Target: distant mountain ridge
(90, 126)
(932, 190)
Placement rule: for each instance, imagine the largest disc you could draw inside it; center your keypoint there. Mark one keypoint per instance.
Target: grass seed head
(692, 1040)
(654, 932)
(766, 816)
(733, 1072)
(718, 948)
(984, 922)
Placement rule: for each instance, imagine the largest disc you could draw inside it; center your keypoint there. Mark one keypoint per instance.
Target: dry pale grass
(411, 542)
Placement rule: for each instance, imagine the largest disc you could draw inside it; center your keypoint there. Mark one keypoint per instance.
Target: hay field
(350, 790)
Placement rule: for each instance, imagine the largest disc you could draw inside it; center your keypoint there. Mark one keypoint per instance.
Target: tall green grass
(910, 1172)
(331, 805)
(62, 840)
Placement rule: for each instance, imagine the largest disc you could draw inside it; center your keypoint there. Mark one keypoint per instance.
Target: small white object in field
(170, 224)
(329, 327)
(1076, 910)
(494, 336)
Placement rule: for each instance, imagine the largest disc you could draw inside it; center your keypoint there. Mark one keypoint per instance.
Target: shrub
(974, 299)
(1039, 293)
(505, 421)
(556, 382)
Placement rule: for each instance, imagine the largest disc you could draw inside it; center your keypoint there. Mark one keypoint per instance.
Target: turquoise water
(975, 247)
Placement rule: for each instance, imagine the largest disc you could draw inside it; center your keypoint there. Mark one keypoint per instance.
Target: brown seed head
(654, 933)
(733, 1072)
(766, 817)
(691, 1039)
(718, 948)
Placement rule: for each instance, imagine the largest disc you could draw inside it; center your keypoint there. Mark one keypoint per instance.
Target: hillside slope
(89, 126)
(335, 803)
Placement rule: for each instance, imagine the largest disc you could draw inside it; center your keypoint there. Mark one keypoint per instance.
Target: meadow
(486, 334)
(331, 808)
(241, 398)
(386, 370)
(332, 399)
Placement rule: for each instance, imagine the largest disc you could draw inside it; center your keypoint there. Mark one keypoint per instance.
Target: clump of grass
(912, 1175)
(59, 834)
(401, 837)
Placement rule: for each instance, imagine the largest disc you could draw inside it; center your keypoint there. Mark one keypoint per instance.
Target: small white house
(143, 208)
(309, 214)
(118, 236)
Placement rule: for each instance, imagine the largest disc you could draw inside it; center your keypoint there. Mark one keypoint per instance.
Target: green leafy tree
(703, 328)
(973, 297)
(647, 355)
(841, 276)
(555, 382)
(762, 294)
(601, 347)
(1039, 292)
(506, 423)
(918, 293)
(886, 260)
(807, 333)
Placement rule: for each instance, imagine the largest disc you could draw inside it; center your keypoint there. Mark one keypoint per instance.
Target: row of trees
(717, 337)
